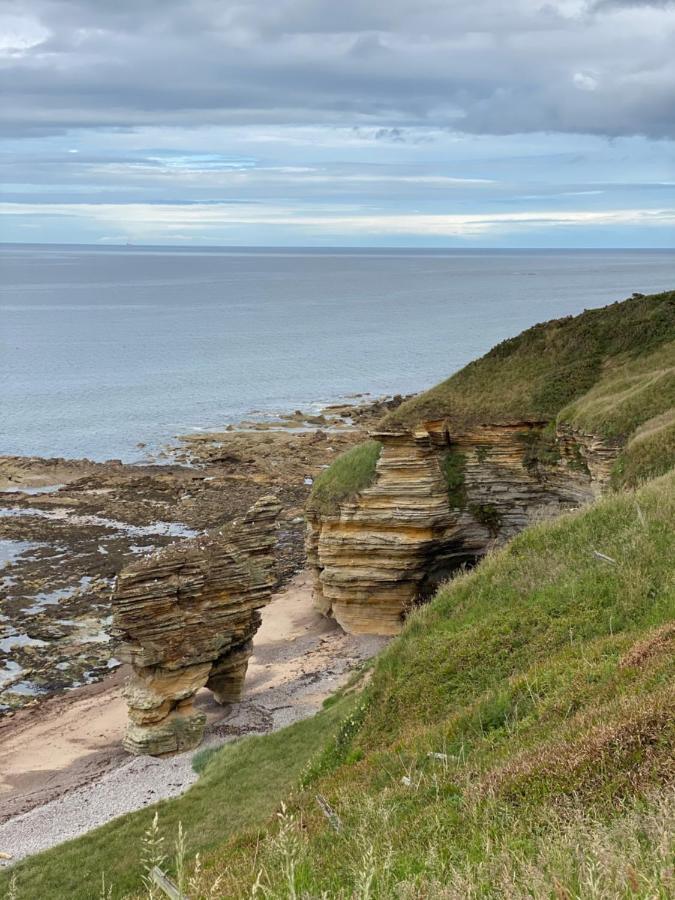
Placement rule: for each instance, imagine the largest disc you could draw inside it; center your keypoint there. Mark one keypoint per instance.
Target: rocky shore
(68, 527)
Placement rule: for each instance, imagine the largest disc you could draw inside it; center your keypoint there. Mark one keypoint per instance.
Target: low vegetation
(650, 452)
(453, 465)
(350, 473)
(626, 396)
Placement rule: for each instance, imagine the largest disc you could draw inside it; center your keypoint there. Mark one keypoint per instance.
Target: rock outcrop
(440, 500)
(186, 616)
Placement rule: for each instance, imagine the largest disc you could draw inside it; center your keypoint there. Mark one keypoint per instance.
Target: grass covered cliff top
(608, 371)
(535, 375)
(514, 741)
(351, 472)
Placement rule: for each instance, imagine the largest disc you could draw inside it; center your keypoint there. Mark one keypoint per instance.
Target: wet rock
(49, 631)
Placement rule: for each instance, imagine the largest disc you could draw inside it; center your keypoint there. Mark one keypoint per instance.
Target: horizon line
(350, 247)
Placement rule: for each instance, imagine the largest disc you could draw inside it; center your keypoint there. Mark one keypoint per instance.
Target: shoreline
(334, 414)
(75, 525)
(65, 772)
(67, 527)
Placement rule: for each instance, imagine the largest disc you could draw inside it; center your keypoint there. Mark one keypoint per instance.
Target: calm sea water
(103, 348)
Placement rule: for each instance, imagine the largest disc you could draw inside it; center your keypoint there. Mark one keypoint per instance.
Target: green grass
(627, 395)
(545, 594)
(533, 376)
(453, 464)
(350, 473)
(543, 680)
(650, 452)
(239, 788)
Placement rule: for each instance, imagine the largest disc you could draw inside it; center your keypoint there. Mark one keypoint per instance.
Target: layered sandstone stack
(394, 542)
(368, 559)
(186, 616)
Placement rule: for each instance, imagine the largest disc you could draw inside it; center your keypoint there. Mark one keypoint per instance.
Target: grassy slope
(535, 375)
(545, 676)
(350, 473)
(650, 452)
(239, 789)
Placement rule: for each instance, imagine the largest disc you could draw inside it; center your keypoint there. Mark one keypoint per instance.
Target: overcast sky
(513, 123)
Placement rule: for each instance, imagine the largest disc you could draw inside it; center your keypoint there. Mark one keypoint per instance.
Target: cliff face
(440, 500)
(186, 616)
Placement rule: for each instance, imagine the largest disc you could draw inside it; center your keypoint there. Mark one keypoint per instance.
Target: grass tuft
(350, 473)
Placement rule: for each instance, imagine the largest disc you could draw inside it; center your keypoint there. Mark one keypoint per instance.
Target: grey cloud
(485, 67)
(608, 4)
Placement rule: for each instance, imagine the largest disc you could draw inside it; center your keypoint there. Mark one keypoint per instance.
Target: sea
(106, 348)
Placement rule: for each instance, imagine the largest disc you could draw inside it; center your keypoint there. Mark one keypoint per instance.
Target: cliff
(535, 427)
(186, 616)
(516, 739)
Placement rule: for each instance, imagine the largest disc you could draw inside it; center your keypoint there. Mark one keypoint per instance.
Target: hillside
(544, 679)
(536, 375)
(516, 739)
(610, 371)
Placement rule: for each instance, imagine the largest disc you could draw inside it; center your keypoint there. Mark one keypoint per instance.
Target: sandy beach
(63, 771)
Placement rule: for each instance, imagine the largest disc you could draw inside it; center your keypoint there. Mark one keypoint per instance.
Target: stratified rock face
(394, 542)
(187, 615)
(369, 559)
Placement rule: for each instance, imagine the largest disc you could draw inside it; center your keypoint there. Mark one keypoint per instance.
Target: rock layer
(392, 544)
(186, 616)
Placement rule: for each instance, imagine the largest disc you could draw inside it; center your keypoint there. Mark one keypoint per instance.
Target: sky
(439, 123)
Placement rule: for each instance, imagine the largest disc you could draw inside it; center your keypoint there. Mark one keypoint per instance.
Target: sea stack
(186, 616)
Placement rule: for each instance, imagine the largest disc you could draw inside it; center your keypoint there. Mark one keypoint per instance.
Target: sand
(62, 768)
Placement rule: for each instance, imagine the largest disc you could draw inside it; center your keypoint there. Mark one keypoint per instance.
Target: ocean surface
(103, 348)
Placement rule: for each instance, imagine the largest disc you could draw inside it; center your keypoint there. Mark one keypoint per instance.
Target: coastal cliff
(440, 501)
(536, 427)
(518, 733)
(186, 616)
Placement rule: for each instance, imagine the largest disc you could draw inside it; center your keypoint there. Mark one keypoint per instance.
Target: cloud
(160, 221)
(608, 4)
(486, 67)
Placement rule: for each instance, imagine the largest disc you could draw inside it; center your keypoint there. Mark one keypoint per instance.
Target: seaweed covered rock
(186, 616)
